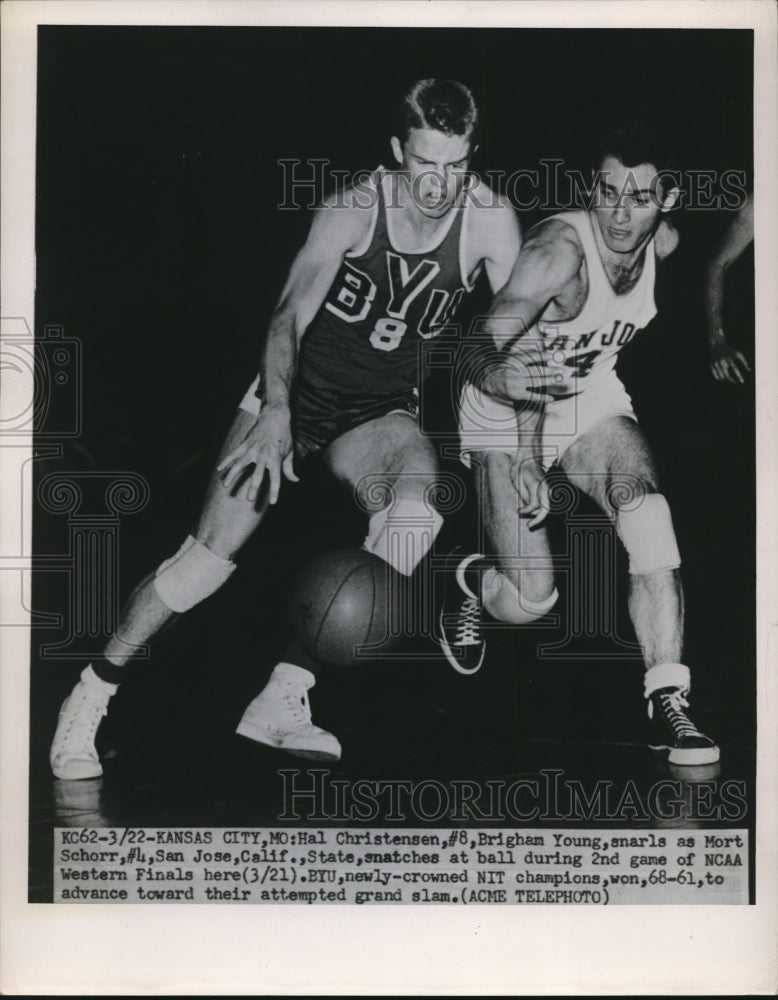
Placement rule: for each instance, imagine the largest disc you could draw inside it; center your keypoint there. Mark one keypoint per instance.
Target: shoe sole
(258, 735)
(691, 757)
(76, 777)
(449, 653)
(311, 754)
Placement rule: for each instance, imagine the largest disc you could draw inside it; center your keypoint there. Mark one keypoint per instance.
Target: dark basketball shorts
(319, 416)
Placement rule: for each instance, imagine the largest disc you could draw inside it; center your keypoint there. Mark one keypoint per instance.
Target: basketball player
(582, 287)
(382, 268)
(726, 362)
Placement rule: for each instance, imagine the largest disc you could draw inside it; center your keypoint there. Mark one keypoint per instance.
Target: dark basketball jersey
(382, 303)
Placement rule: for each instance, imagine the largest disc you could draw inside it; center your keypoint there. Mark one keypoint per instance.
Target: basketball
(340, 603)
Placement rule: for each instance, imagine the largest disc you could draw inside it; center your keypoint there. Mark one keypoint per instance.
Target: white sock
(667, 675)
(291, 672)
(504, 602)
(403, 533)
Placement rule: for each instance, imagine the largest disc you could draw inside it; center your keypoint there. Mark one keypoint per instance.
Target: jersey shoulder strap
(376, 231)
(597, 279)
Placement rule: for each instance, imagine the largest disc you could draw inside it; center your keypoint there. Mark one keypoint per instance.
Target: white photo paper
(388, 488)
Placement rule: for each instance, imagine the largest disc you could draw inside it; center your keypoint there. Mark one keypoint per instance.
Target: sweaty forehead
(437, 147)
(641, 177)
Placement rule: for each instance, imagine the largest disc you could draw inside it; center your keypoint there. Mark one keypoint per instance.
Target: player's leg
(392, 468)
(612, 463)
(203, 563)
(519, 589)
(391, 465)
(199, 568)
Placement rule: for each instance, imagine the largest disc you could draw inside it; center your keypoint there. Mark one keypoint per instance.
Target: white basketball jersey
(589, 344)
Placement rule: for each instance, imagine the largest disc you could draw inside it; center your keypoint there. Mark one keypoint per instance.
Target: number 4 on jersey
(582, 363)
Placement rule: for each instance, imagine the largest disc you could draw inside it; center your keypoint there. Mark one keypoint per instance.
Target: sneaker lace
(468, 629)
(83, 720)
(300, 707)
(673, 704)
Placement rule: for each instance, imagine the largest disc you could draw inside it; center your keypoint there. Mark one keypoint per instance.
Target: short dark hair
(641, 142)
(637, 143)
(445, 105)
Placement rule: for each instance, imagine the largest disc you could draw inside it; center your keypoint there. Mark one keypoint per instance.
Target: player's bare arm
(727, 364)
(269, 446)
(494, 236)
(547, 271)
(666, 239)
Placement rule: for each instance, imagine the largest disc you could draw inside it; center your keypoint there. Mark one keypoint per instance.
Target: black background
(160, 247)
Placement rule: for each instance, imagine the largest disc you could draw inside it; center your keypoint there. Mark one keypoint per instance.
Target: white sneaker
(73, 754)
(280, 716)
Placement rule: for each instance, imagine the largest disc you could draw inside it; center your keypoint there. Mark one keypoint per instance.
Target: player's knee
(191, 575)
(648, 535)
(399, 434)
(617, 492)
(417, 465)
(503, 600)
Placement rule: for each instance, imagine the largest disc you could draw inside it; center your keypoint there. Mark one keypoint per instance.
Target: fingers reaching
(542, 505)
(254, 483)
(236, 453)
(274, 480)
(233, 465)
(288, 469)
(533, 498)
(730, 367)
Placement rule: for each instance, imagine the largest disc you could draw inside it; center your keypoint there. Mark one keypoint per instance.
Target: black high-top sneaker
(459, 623)
(667, 689)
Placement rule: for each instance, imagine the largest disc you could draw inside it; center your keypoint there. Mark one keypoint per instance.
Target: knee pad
(191, 575)
(648, 536)
(403, 533)
(504, 602)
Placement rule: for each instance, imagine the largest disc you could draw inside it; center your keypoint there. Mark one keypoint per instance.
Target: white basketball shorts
(486, 424)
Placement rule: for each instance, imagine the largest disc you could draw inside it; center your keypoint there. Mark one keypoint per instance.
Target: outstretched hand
(268, 448)
(727, 363)
(530, 483)
(530, 375)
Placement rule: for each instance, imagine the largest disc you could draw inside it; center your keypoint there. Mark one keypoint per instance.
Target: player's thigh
(228, 519)
(612, 463)
(518, 547)
(390, 447)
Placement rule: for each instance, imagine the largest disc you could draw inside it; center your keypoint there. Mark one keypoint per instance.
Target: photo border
(209, 950)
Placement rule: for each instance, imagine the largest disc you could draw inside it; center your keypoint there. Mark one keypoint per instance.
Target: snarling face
(435, 166)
